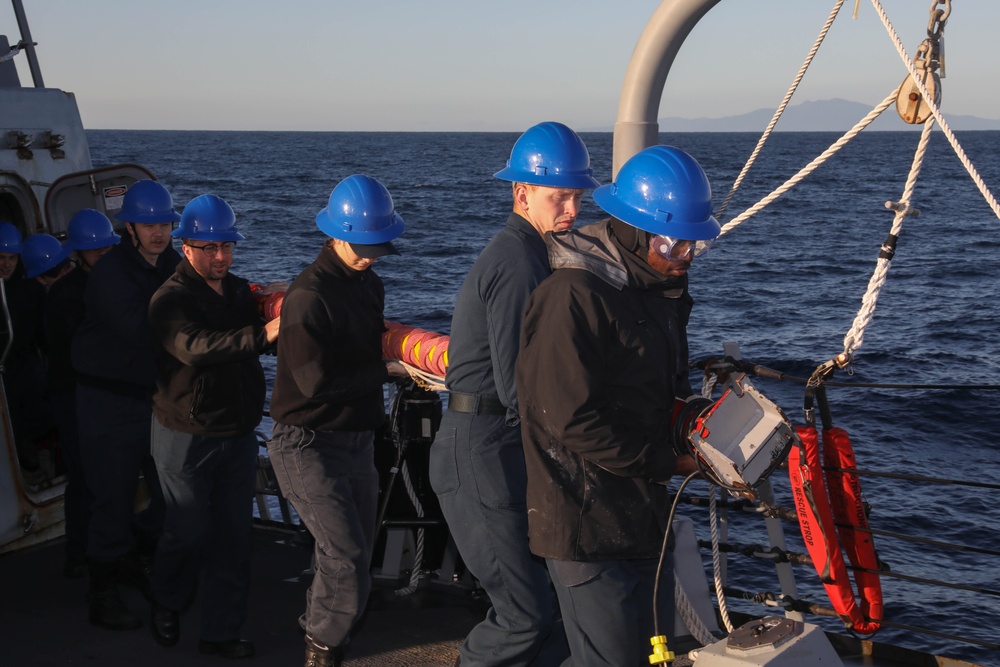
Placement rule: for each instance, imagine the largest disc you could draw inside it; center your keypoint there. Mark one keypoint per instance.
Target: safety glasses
(680, 249)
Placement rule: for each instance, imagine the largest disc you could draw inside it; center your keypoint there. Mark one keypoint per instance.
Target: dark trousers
(608, 615)
(114, 444)
(208, 487)
(78, 497)
(477, 471)
(331, 481)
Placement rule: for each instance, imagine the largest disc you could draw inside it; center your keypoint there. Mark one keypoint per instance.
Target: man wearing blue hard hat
(208, 337)
(603, 355)
(90, 236)
(23, 371)
(476, 462)
(112, 354)
(327, 402)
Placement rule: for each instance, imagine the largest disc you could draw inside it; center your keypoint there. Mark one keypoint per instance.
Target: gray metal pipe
(637, 126)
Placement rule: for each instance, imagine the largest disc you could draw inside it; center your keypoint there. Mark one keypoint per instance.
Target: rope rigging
(923, 91)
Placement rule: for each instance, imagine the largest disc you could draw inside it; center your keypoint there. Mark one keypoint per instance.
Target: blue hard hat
(208, 218)
(41, 252)
(10, 239)
(90, 229)
(662, 190)
(552, 155)
(147, 202)
(360, 212)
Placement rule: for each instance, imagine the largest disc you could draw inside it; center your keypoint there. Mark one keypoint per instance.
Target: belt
(476, 405)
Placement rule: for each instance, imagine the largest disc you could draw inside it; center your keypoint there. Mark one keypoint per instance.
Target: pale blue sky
(457, 65)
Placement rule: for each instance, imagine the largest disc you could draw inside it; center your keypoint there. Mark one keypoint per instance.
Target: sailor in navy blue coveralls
(477, 461)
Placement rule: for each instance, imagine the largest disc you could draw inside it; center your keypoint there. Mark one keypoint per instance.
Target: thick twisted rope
(856, 335)
(781, 107)
(812, 166)
(717, 561)
(929, 100)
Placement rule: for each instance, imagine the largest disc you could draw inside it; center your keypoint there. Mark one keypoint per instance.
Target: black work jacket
(330, 368)
(602, 357)
(209, 379)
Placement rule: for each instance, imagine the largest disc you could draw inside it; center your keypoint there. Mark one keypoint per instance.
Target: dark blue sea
(786, 285)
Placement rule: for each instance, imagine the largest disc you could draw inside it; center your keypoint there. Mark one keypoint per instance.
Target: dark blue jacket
(486, 324)
(63, 314)
(113, 347)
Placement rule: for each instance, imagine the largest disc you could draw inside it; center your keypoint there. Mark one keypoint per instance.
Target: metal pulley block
(910, 103)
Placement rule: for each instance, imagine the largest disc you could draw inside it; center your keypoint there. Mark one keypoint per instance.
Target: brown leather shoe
(231, 648)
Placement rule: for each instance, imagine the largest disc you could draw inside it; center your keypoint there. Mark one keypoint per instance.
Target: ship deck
(43, 618)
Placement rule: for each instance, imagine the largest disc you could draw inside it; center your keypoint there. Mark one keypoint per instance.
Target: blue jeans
(608, 611)
(331, 481)
(208, 487)
(114, 445)
(477, 471)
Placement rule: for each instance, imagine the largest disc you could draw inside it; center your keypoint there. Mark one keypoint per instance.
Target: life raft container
(423, 349)
(830, 504)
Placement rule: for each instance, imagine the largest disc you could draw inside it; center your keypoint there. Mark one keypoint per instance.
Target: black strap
(475, 405)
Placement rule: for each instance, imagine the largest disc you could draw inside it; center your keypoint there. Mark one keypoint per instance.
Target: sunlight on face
(549, 209)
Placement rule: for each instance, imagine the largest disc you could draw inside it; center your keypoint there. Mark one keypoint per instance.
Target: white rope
(10, 54)
(418, 556)
(781, 107)
(811, 167)
(929, 99)
(425, 380)
(692, 620)
(854, 337)
(717, 560)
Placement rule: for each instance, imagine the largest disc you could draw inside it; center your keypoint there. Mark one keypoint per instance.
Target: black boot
(107, 609)
(321, 655)
(137, 572)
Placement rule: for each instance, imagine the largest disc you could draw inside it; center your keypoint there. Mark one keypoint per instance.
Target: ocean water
(786, 285)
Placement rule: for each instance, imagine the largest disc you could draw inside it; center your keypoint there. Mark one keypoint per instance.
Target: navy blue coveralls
(477, 462)
(113, 357)
(64, 312)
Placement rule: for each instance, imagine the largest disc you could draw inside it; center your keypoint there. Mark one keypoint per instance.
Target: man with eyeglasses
(112, 354)
(208, 337)
(603, 355)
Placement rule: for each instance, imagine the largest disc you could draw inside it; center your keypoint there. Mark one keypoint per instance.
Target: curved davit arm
(661, 39)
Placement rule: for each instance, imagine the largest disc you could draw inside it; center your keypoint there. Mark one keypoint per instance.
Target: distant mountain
(836, 115)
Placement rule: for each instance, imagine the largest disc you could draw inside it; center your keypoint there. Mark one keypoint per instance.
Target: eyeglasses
(212, 249)
(677, 249)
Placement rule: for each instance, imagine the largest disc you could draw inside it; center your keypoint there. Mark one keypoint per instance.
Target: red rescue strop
(830, 504)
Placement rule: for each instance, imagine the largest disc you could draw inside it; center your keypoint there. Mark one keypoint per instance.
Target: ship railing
(987, 612)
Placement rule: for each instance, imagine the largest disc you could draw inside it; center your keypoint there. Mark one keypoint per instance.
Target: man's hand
(686, 465)
(271, 329)
(396, 369)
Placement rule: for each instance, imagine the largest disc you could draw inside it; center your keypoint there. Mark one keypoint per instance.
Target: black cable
(663, 551)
